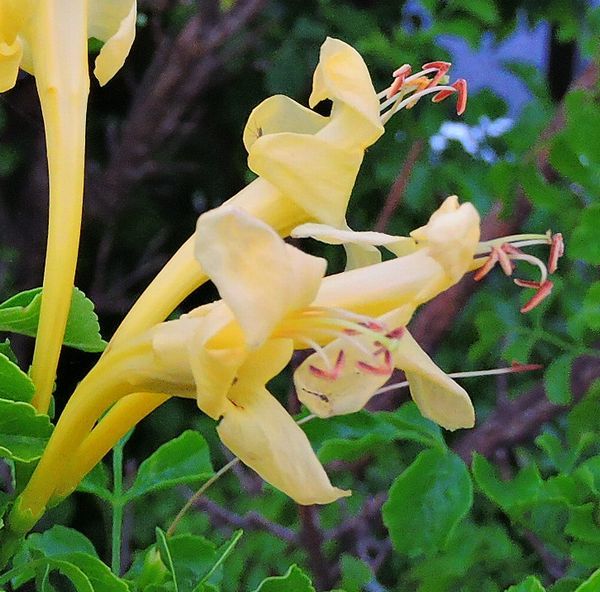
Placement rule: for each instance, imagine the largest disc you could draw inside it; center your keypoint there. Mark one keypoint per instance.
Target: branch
(521, 420)
(396, 193)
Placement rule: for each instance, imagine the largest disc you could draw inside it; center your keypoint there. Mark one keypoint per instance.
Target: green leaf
(427, 502)
(294, 580)
(99, 574)
(355, 573)
(15, 385)
(484, 10)
(222, 553)
(584, 243)
(96, 483)
(411, 425)
(193, 560)
(592, 584)
(6, 349)
(530, 584)
(165, 554)
(58, 541)
(583, 524)
(78, 578)
(20, 314)
(183, 460)
(512, 496)
(23, 433)
(557, 380)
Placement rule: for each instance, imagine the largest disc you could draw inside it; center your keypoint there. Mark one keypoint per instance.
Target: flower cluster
(275, 299)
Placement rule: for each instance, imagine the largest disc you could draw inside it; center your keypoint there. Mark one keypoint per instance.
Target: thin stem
(199, 494)
(117, 506)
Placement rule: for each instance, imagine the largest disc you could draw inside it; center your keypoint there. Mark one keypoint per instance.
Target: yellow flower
(48, 38)
(275, 300)
(307, 165)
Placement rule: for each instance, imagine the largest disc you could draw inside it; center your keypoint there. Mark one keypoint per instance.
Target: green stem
(118, 504)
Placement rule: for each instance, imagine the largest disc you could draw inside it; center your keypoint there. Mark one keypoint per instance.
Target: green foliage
(183, 460)
(295, 579)
(20, 314)
(427, 503)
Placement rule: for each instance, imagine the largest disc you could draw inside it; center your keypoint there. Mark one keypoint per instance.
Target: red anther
(332, 374)
(442, 69)
(511, 249)
(557, 250)
(543, 291)
(518, 367)
(505, 262)
(350, 332)
(399, 77)
(396, 333)
(460, 87)
(384, 370)
(487, 266)
(461, 104)
(373, 326)
(527, 283)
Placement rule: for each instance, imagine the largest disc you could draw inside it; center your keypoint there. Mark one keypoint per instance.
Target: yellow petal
(451, 236)
(111, 21)
(281, 114)
(352, 390)
(259, 431)
(318, 176)
(438, 397)
(10, 58)
(258, 276)
(342, 76)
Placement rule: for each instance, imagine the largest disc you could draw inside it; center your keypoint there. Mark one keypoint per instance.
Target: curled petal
(279, 114)
(315, 174)
(10, 58)
(111, 21)
(438, 397)
(258, 430)
(342, 76)
(259, 277)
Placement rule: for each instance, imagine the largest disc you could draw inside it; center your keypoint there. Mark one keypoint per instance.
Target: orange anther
(518, 367)
(442, 69)
(487, 266)
(543, 291)
(557, 250)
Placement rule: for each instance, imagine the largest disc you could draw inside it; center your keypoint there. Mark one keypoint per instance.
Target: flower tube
(48, 38)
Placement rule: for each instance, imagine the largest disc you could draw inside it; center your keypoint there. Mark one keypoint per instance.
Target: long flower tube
(222, 354)
(307, 165)
(48, 38)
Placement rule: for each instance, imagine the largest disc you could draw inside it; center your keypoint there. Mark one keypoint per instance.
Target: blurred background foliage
(164, 145)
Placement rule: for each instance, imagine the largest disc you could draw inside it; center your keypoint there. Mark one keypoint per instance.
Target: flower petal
(437, 396)
(281, 114)
(318, 176)
(259, 277)
(258, 430)
(10, 59)
(451, 236)
(342, 76)
(353, 389)
(111, 21)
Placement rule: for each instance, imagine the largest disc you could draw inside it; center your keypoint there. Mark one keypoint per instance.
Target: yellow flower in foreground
(275, 300)
(307, 165)
(48, 38)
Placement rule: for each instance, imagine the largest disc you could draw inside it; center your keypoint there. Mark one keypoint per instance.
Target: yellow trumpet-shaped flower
(307, 165)
(48, 38)
(275, 300)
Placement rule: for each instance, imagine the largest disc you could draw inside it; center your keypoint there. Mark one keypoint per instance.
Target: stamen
(442, 69)
(399, 78)
(514, 368)
(383, 370)
(557, 250)
(316, 348)
(543, 292)
(487, 266)
(517, 240)
(332, 374)
(460, 87)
